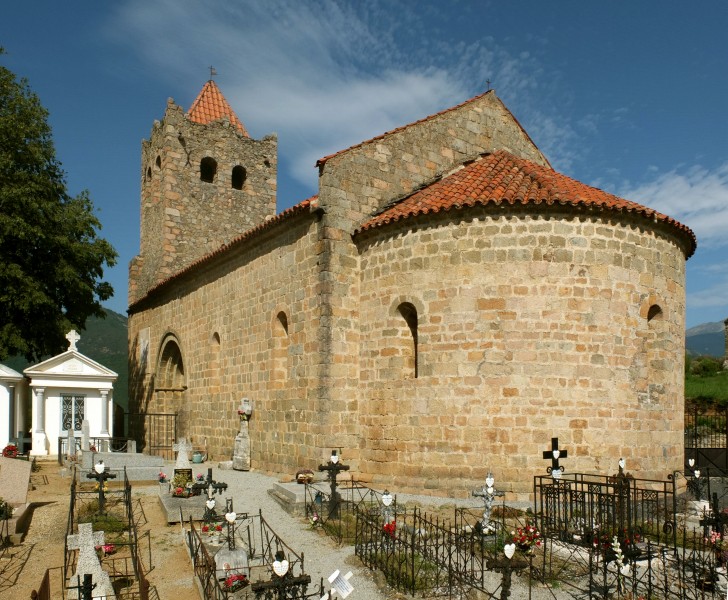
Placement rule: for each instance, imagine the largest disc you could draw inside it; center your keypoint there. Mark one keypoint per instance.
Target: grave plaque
(186, 473)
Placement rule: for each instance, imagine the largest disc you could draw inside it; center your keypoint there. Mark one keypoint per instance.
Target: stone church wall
(528, 327)
(239, 301)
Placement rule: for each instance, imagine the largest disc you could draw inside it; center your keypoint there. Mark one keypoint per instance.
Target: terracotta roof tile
(210, 105)
(500, 178)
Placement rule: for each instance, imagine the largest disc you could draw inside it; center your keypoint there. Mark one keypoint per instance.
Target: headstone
(183, 449)
(131, 446)
(71, 450)
(241, 448)
(14, 478)
(85, 435)
(85, 541)
(229, 561)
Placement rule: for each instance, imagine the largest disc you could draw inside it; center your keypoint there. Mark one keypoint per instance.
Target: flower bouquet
(527, 538)
(162, 477)
(390, 528)
(235, 581)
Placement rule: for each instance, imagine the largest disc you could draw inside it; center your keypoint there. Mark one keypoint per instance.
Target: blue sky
(627, 96)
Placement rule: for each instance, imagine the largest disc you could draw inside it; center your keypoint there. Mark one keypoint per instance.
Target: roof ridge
(211, 105)
(322, 161)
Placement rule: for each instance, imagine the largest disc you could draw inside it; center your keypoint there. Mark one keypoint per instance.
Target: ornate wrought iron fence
(706, 437)
(341, 523)
(261, 544)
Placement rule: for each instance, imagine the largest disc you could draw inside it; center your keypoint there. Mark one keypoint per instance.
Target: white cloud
(695, 196)
(326, 75)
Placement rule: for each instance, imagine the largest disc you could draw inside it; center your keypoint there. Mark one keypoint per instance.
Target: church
(444, 306)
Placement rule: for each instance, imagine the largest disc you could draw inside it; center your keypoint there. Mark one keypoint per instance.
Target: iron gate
(154, 432)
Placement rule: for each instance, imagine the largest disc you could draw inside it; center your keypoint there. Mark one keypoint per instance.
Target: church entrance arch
(171, 384)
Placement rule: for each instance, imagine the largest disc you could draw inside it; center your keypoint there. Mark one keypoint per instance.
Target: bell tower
(204, 182)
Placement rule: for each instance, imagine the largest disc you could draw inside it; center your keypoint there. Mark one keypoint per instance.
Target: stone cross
(72, 337)
(85, 541)
(333, 467)
(182, 448)
(553, 455)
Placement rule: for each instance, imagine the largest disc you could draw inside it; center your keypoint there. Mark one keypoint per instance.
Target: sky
(627, 96)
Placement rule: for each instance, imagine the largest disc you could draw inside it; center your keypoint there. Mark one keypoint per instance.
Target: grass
(713, 387)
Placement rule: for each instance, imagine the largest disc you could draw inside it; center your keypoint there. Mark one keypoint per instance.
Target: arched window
(149, 173)
(281, 344)
(654, 312)
(158, 162)
(239, 177)
(208, 169)
(213, 383)
(409, 313)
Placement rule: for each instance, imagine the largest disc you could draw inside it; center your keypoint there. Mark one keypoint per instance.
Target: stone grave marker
(183, 449)
(14, 478)
(71, 447)
(85, 541)
(85, 435)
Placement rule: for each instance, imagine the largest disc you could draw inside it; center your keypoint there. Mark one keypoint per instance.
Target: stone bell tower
(204, 182)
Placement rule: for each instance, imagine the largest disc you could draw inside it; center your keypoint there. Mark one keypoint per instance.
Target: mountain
(706, 339)
(103, 340)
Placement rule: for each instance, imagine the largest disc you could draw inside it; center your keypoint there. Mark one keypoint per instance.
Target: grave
(139, 467)
(191, 507)
(87, 563)
(14, 479)
(183, 449)
(241, 447)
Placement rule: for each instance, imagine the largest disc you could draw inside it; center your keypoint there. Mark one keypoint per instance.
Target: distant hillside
(103, 340)
(706, 339)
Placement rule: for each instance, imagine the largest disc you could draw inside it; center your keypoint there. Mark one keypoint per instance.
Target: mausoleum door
(72, 412)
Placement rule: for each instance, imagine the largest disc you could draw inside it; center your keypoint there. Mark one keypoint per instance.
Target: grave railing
(340, 523)
(585, 509)
(259, 544)
(121, 556)
(100, 444)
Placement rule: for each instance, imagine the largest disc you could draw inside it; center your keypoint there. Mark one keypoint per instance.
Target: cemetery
(609, 535)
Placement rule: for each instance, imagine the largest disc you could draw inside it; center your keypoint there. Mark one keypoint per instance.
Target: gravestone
(14, 479)
(183, 449)
(85, 435)
(241, 446)
(71, 449)
(85, 541)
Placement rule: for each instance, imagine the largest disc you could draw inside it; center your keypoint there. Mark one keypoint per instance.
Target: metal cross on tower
(555, 470)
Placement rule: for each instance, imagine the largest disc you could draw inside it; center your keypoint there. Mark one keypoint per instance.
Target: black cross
(86, 588)
(332, 468)
(101, 478)
(549, 454)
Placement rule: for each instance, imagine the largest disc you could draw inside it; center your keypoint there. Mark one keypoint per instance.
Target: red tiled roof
(322, 161)
(501, 178)
(210, 105)
(301, 207)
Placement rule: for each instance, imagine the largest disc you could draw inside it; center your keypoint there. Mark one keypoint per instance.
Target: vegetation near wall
(706, 380)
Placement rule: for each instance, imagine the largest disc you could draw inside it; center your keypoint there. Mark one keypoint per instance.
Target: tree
(51, 259)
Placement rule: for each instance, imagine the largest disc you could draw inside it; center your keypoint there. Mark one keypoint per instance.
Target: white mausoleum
(65, 390)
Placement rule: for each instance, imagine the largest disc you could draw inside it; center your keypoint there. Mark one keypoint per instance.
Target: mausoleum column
(104, 412)
(38, 424)
(39, 410)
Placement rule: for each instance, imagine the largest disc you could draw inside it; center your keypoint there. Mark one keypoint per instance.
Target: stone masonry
(430, 348)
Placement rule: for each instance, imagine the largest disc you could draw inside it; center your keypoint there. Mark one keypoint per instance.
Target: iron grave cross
(554, 454)
(100, 474)
(332, 468)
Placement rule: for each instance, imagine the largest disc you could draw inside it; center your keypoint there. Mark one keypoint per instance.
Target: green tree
(51, 259)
